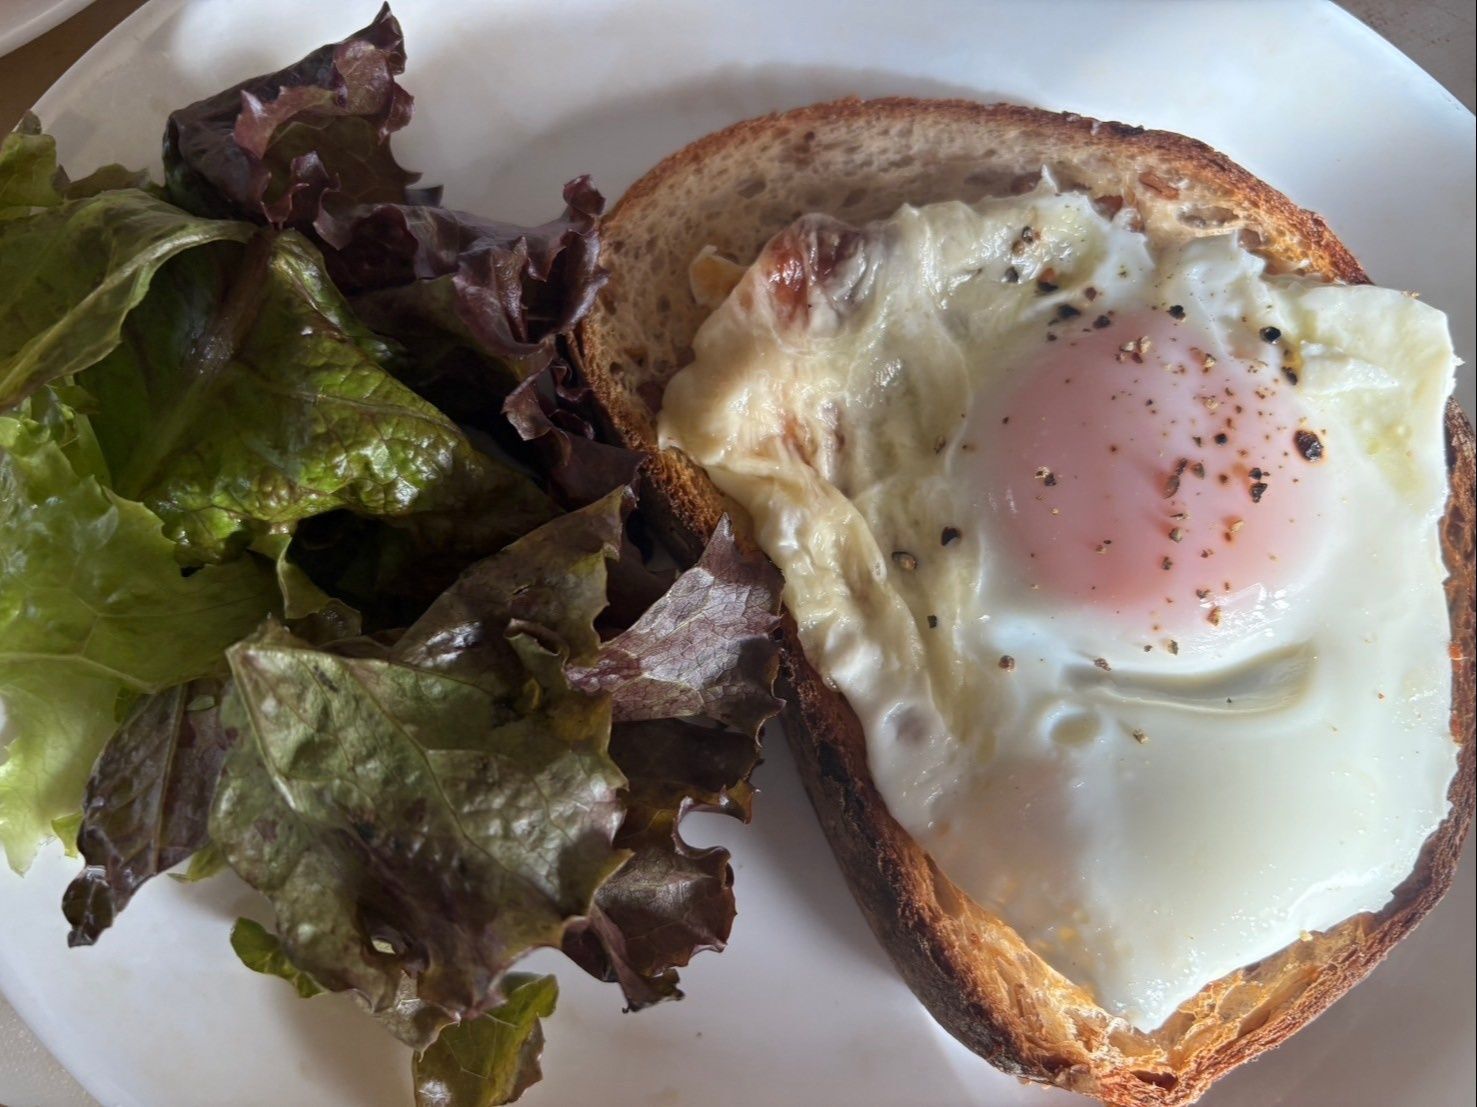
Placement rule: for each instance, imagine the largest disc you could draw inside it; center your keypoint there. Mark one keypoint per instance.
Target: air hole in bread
(1158, 185)
(1166, 1080)
(1250, 239)
(1206, 217)
(751, 188)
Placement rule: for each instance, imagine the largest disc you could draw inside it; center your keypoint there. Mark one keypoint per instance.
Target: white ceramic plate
(512, 99)
(23, 20)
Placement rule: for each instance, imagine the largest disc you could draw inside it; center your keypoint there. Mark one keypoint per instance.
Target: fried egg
(1125, 554)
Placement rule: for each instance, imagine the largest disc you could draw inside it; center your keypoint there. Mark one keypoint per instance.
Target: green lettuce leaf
(148, 801)
(261, 951)
(28, 170)
(94, 611)
(493, 1059)
(406, 822)
(245, 397)
(70, 274)
(204, 864)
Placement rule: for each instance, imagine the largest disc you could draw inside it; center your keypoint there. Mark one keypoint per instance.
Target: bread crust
(971, 971)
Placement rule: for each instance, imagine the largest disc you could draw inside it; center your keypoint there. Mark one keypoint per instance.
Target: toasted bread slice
(858, 160)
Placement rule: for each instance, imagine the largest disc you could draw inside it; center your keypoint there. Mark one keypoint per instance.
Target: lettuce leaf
(270, 148)
(28, 169)
(93, 612)
(703, 649)
(148, 801)
(308, 147)
(670, 900)
(406, 822)
(500, 289)
(551, 410)
(376, 785)
(71, 273)
(261, 951)
(550, 585)
(245, 397)
(491, 1060)
(482, 722)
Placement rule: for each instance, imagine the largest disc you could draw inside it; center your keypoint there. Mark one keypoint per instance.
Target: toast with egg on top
(729, 194)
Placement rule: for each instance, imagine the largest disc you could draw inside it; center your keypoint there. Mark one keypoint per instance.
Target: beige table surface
(1437, 34)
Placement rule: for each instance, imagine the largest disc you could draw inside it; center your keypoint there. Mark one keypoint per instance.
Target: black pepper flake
(1198, 469)
(1007, 662)
(1044, 286)
(1028, 235)
(1167, 564)
(1292, 378)
(1177, 312)
(1270, 334)
(1067, 311)
(1256, 474)
(1173, 647)
(1140, 737)
(904, 560)
(1102, 663)
(1257, 491)
(1102, 321)
(1046, 476)
(1090, 293)
(950, 534)
(1012, 275)
(1222, 438)
(1172, 482)
(1308, 444)
(933, 621)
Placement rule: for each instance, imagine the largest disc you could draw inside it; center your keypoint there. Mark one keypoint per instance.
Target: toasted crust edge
(911, 907)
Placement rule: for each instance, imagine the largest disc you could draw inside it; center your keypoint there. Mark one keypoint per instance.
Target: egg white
(1154, 821)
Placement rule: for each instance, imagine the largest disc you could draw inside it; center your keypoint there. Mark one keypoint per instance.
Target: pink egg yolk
(1132, 471)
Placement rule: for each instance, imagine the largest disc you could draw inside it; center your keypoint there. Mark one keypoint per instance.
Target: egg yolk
(1133, 471)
